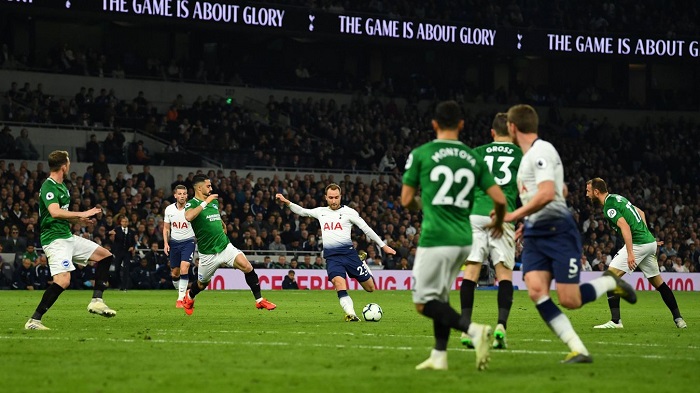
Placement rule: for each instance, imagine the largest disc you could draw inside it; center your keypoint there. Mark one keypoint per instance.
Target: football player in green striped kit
(503, 159)
(447, 172)
(639, 249)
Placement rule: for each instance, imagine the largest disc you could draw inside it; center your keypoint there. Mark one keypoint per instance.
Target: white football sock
(182, 287)
(602, 285)
(347, 305)
(561, 325)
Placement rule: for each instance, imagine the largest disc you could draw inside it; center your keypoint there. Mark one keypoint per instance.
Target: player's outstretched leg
(622, 288)
(670, 300)
(561, 326)
(348, 306)
(607, 283)
(97, 305)
(466, 299)
(505, 302)
(480, 334)
(47, 300)
(188, 300)
(251, 278)
(438, 356)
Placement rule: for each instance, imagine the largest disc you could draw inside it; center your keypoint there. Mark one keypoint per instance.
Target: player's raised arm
(192, 213)
(57, 212)
(296, 208)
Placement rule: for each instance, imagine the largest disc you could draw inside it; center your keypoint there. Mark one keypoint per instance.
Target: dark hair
(499, 124)
(598, 184)
(199, 178)
(448, 115)
(524, 117)
(57, 158)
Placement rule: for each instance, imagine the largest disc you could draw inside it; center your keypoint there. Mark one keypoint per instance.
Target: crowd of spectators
(655, 172)
(88, 108)
(639, 161)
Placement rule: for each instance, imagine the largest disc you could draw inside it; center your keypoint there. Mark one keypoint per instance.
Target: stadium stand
(255, 141)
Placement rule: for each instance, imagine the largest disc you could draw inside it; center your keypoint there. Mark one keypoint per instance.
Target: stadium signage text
(306, 22)
(199, 10)
(622, 46)
(357, 25)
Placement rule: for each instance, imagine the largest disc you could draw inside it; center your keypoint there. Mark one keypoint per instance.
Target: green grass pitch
(304, 346)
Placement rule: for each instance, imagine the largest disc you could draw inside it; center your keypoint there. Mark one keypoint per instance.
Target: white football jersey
(542, 163)
(336, 227)
(180, 228)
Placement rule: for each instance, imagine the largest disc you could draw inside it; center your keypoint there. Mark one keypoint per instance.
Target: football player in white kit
(552, 244)
(341, 257)
(178, 242)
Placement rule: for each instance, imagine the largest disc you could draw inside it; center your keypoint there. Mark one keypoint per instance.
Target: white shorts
(501, 250)
(62, 253)
(644, 256)
(435, 270)
(208, 263)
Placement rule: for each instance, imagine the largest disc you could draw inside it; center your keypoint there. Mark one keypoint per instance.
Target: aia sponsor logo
(180, 225)
(332, 226)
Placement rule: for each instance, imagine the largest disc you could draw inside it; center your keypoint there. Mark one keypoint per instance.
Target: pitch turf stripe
(321, 345)
(380, 335)
(546, 340)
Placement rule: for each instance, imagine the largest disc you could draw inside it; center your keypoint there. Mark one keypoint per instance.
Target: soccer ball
(372, 312)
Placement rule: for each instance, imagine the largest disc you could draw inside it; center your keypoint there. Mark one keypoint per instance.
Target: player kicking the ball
(214, 247)
(341, 257)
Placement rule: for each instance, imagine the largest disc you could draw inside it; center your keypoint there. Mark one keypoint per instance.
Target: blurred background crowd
(359, 138)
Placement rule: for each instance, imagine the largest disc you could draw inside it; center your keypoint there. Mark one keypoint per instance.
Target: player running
(503, 159)
(552, 243)
(446, 170)
(215, 250)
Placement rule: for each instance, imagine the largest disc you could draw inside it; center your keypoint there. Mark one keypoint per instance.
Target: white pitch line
(322, 345)
(380, 335)
(544, 340)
